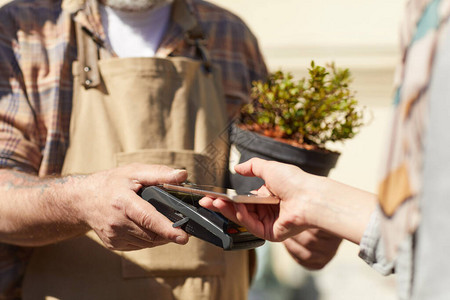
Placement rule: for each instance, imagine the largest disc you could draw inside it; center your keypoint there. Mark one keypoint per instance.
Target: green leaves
(311, 111)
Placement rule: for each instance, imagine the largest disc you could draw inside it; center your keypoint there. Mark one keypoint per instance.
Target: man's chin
(134, 5)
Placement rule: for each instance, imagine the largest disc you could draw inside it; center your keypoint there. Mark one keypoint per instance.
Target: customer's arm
(37, 211)
(307, 201)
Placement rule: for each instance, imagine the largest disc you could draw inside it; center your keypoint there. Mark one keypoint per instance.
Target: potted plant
(294, 121)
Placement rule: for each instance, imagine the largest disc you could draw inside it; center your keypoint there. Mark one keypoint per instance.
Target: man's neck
(135, 34)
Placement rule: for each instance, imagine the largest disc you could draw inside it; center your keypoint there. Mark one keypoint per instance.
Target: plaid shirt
(37, 49)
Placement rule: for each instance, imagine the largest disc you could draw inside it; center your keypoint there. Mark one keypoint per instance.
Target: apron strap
(184, 16)
(90, 44)
(88, 48)
(195, 37)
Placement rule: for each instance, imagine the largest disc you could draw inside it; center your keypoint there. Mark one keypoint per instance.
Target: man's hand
(122, 219)
(37, 211)
(313, 248)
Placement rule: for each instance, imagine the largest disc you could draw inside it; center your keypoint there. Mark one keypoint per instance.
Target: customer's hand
(313, 248)
(108, 203)
(272, 222)
(306, 201)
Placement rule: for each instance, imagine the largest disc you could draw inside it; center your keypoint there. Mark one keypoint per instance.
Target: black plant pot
(249, 144)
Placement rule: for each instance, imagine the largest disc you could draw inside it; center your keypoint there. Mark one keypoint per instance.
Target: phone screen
(222, 193)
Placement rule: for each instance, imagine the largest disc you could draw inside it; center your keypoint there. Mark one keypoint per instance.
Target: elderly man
(88, 88)
(148, 82)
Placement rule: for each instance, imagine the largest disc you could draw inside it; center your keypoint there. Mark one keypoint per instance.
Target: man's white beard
(134, 5)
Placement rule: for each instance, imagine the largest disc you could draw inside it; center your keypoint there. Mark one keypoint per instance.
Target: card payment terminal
(183, 209)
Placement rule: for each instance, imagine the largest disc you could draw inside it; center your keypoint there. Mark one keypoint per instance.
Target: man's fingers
(141, 236)
(312, 248)
(137, 246)
(302, 255)
(156, 174)
(147, 217)
(318, 241)
(138, 242)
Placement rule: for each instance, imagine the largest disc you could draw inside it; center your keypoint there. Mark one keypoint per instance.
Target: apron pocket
(196, 258)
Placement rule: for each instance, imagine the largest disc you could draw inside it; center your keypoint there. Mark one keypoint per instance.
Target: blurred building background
(361, 36)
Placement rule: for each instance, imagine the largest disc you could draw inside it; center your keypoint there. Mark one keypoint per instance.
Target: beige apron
(148, 110)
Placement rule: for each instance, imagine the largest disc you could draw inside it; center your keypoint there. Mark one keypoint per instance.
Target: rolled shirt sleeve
(371, 246)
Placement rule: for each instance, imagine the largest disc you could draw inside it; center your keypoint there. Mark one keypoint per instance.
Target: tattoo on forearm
(19, 180)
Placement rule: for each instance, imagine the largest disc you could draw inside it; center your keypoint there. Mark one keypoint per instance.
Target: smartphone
(222, 193)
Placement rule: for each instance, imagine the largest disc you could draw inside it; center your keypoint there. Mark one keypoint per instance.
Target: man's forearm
(37, 211)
